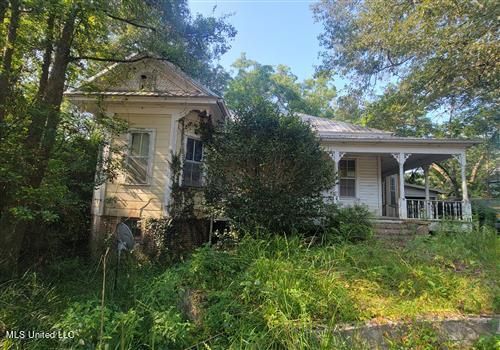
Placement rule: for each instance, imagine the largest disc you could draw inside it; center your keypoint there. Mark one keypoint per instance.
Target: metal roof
(419, 187)
(326, 126)
(171, 93)
(333, 130)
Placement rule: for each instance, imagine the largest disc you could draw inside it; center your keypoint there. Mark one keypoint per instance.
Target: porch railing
(434, 209)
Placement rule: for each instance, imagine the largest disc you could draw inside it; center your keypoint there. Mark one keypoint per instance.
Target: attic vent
(146, 81)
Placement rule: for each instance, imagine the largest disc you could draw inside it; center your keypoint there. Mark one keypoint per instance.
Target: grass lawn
(273, 292)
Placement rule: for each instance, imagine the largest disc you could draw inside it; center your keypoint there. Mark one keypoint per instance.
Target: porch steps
(399, 231)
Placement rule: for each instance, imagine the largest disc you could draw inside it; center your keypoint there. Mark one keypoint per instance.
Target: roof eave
(85, 97)
(393, 139)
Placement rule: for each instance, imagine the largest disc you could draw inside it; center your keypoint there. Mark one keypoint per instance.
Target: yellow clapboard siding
(126, 199)
(133, 213)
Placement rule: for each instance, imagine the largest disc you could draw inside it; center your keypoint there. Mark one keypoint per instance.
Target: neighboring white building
(163, 106)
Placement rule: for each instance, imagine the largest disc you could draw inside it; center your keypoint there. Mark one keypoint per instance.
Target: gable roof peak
(143, 75)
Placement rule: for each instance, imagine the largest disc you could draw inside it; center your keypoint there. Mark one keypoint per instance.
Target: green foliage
(422, 336)
(350, 224)
(484, 212)
(272, 292)
(441, 51)
(155, 241)
(491, 342)
(267, 170)
(256, 85)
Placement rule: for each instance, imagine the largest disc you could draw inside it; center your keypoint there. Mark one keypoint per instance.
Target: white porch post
(466, 206)
(401, 159)
(336, 157)
(427, 196)
(99, 195)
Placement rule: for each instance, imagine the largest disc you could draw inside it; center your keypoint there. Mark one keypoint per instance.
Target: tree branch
(475, 169)
(441, 170)
(131, 22)
(116, 60)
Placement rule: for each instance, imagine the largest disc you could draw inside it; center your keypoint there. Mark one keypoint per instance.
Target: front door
(390, 196)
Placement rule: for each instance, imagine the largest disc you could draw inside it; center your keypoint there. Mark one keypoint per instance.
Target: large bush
(267, 170)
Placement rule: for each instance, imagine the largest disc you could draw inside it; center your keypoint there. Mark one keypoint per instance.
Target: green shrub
(350, 224)
(267, 170)
(155, 238)
(491, 342)
(484, 213)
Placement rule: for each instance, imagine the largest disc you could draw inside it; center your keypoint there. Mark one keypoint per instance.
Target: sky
(269, 32)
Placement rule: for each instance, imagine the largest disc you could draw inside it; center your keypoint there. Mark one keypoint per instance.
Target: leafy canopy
(256, 84)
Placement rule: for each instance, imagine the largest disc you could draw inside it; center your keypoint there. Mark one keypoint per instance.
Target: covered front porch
(370, 165)
(373, 174)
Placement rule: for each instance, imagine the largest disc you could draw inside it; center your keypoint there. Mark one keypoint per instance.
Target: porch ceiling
(390, 166)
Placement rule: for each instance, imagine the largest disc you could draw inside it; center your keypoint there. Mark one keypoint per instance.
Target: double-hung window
(347, 178)
(192, 171)
(139, 158)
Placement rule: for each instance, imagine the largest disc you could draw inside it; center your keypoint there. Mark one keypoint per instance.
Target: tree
(267, 170)
(431, 65)
(49, 45)
(256, 84)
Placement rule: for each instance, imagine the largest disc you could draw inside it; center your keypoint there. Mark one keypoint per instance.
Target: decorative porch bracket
(401, 159)
(467, 209)
(336, 157)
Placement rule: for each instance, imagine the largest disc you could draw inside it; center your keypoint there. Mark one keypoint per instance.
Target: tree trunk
(10, 245)
(38, 146)
(47, 58)
(446, 175)
(8, 53)
(475, 169)
(3, 10)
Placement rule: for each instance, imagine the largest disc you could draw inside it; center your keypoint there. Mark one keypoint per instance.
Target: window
(347, 178)
(392, 189)
(192, 171)
(139, 157)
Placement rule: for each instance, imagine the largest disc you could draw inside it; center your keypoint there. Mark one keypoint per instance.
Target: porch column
(401, 159)
(466, 206)
(427, 196)
(336, 157)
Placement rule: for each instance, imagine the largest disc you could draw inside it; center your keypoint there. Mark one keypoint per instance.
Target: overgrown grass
(267, 293)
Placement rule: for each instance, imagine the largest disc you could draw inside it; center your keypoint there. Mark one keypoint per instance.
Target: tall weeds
(275, 292)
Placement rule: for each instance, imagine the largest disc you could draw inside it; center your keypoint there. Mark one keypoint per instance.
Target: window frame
(184, 160)
(149, 169)
(355, 178)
